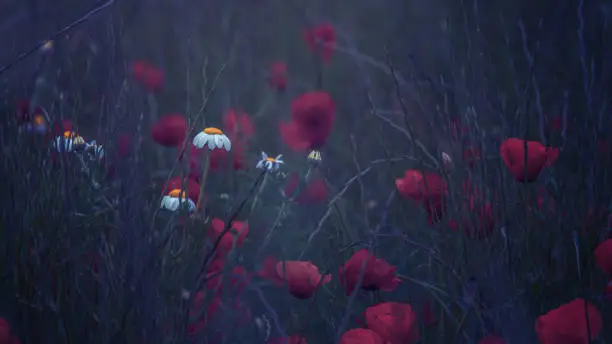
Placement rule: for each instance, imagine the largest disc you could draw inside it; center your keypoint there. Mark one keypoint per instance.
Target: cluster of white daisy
(210, 137)
(71, 142)
(214, 138)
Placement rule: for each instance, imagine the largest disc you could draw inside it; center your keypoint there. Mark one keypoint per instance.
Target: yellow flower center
(212, 131)
(270, 159)
(69, 134)
(176, 193)
(39, 120)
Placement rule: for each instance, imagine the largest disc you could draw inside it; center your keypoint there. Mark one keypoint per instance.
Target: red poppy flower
(377, 274)
(278, 76)
(313, 113)
(220, 159)
(176, 183)
(361, 336)
(568, 324)
(238, 124)
(198, 317)
(492, 339)
(288, 340)
(151, 77)
(321, 40)
(313, 192)
(603, 256)
(302, 277)
(237, 232)
(394, 322)
(268, 271)
(235, 282)
(6, 336)
(291, 135)
(526, 169)
(427, 188)
(170, 130)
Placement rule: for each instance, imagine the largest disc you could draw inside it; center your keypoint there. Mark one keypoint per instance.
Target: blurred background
(411, 81)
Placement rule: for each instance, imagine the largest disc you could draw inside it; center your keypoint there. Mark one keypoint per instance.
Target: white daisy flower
(268, 163)
(96, 151)
(68, 142)
(213, 138)
(173, 200)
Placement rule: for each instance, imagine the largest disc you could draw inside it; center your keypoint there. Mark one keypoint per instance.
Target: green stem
(261, 187)
(205, 167)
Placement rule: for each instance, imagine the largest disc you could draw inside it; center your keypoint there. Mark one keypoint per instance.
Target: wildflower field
(289, 172)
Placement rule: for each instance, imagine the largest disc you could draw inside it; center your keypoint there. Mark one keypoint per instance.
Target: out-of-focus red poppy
(471, 156)
(361, 336)
(315, 191)
(176, 183)
(124, 144)
(603, 147)
(198, 317)
(556, 123)
(194, 160)
(608, 291)
(544, 203)
(321, 40)
(603, 256)
(426, 188)
(428, 315)
(394, 322)
(278, 76)
(23, 111)
(59, 128)
(491, 339)
(151, 77)
(302, 277)
(220, 159)
(314, 114)
(235, 282)
(6, 336)
(238, 233)
(312, 120)
(477, 216)
(377, 274)
(526, 169)
(170, 130)
(290, 134)
(288, 340)
(568, 324)
(268, 271)
(458, 129)
(238, 124)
